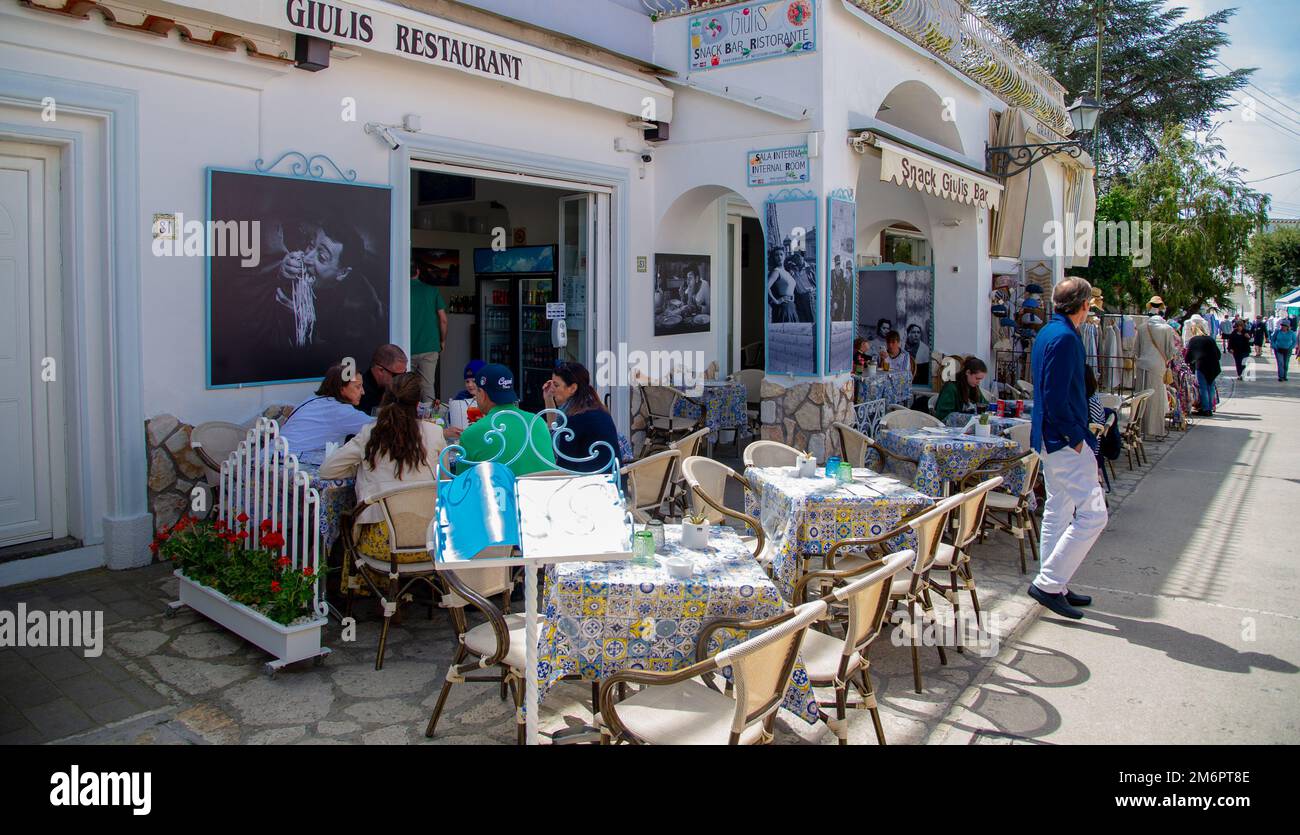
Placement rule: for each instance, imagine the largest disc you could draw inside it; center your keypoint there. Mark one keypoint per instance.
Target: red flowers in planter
(283, 562)
(308, 571)
(273, 540)
(242, 518)
(275, 586)
(265, 527)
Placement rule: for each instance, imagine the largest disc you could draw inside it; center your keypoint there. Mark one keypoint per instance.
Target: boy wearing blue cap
(497, 399)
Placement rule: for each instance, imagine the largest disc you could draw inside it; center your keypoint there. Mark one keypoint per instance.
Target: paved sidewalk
(1194, 636)
(185, 680)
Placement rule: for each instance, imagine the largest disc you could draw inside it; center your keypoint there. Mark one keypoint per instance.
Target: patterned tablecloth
(724, 407)
(337, 496)
(603, 617)
(894, 387)
(809, 515)
(949, 456)
(1001, 425)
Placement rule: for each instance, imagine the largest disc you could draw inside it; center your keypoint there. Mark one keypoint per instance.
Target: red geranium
(242, 535)
(220, 524)
(265, 526)
(242, 518)
(275, 585)
(308, 572)
(274, 539)
(283, 562)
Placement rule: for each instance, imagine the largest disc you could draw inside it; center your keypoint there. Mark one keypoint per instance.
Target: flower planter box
(287, 643)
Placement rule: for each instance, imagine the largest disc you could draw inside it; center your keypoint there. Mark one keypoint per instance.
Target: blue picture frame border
(791, 195)
(260, 170)
(844, 195)
(803, 147)
(816, 16)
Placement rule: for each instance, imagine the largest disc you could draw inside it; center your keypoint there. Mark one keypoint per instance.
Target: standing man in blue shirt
(1075, 513)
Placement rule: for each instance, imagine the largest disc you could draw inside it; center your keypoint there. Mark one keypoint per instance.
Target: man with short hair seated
(496, 397)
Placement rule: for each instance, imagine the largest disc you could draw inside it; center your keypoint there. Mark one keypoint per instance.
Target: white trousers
(427, 365)
(1073, 518)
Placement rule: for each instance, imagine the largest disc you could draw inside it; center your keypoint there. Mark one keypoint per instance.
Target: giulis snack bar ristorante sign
(752, 32)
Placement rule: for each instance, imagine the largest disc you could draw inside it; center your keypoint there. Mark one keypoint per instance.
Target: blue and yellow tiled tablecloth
(949, 456)
(337, 496)
(809, 515)
(894, 387)
(603, 617)
(723, 404)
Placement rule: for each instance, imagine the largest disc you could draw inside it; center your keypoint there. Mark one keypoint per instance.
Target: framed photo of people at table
(791, 282)
(682, 294)
(841, 247)
(898, 297)
(307, 283)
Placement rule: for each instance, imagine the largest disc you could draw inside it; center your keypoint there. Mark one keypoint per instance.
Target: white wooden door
(32, 497)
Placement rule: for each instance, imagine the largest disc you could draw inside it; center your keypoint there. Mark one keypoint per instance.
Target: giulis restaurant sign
(417, 36)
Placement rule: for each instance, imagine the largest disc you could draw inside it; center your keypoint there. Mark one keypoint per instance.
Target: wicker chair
(213, 442)
(837, 662)
(908, 419)
(679, 494)
(679, 708)
(662, 426)
(1130, 430)
(407, 511)
(498, 642)
(955, 558)
(707, 480)
(1025, 386)
(752, 380)
(648, 482)
(1022, 434)
(855, 445)
(770, 454)
(1010, 512)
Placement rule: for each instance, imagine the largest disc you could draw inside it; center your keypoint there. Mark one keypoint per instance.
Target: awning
(914, 168)
(1290, 298)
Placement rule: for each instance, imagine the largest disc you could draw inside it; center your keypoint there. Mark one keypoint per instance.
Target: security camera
(384, 133)
(647, 157)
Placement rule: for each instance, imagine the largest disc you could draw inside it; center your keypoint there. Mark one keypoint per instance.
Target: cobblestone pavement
(184, 680)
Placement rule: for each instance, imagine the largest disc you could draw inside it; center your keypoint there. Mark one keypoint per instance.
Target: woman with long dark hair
(330, 416)
(398, 448)
(963, 394)
(570, 391)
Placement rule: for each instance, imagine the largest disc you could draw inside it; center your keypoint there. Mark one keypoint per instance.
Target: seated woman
(398, 448)
(329, 417)
(570, 391)
(893, 357)
(1096, 411)
(963, 394)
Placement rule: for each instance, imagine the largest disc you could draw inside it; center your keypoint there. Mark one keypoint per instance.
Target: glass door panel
(575, 276)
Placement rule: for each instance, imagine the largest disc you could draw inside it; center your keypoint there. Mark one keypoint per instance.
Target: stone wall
(801, 415)
(174, 468)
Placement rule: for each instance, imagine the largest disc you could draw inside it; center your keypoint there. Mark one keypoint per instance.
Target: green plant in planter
(214, 554)
(984, 419)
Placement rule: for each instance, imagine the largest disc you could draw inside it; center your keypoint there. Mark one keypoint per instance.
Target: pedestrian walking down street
(1258, 331)
(1239, 347)
(1075, 513)
(1283, 342)
(1204, 357)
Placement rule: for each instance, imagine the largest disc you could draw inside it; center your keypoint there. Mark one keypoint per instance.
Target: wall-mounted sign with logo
(778, 166)
(752, 32)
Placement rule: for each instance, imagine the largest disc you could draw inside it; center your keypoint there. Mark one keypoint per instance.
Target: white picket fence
(262, 479)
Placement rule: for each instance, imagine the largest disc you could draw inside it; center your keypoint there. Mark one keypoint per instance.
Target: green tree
(1121, 283)
(1274, 259)
(1202, 216)
(1157, 67)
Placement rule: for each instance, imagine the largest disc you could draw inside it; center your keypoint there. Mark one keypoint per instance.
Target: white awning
(916, 169)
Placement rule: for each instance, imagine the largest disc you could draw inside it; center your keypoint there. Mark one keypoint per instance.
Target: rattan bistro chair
(679, 498)
(679, 708)
(497, 643)
(908, 419)
(648, 482)
(1130, 430)
(955, 558)
(407, 511)
(1010, 512)
(707, 480)
(770, 454)
(662, 426)
(855, 445)
(839, 662)
(213, 442)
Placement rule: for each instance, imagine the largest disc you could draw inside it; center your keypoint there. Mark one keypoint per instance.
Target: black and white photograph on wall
(316, 288)
(902, 301)
(682, 294)
(790, 227)
(842, 238)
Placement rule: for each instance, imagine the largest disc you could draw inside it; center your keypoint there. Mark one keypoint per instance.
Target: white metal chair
(839, 662)
(908, 419)
(679, 708)
(770, 454)
(648, 481)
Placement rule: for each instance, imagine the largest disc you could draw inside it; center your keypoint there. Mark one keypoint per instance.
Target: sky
(1264, 34)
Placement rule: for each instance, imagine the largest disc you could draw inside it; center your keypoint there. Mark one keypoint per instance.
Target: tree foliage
(1274, 259)
(1121, 283)
(1158, 68)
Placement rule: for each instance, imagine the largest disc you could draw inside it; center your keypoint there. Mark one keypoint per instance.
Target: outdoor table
(806, 516)
(603, 617)
(723, 403)
(1001, 425)
(949, 456)
(894, 387)
(337, 497)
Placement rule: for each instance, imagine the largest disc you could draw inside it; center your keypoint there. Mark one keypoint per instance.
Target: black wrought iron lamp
(1010, 160)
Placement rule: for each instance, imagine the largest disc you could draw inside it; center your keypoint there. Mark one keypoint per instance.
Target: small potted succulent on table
(695, 531)
(985, 426)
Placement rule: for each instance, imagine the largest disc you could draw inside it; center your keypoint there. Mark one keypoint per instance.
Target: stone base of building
(801, 415)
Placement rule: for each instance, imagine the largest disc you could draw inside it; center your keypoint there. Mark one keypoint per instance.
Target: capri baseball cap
(498, 383)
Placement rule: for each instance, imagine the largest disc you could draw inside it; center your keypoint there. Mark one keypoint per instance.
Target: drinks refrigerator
(514, 287)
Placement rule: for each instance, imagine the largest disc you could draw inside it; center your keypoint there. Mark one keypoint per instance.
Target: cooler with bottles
(514, 286)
